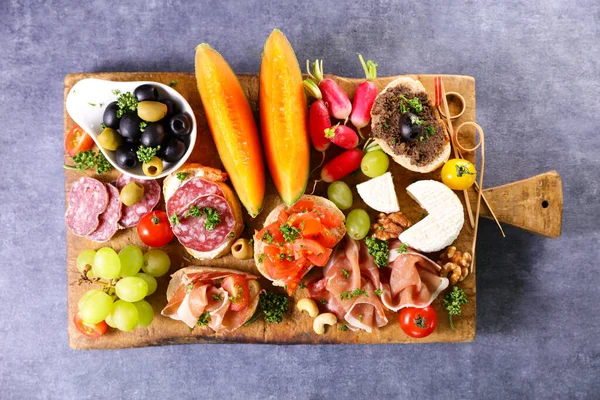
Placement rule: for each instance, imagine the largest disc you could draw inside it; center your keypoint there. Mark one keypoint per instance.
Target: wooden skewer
(451, 130)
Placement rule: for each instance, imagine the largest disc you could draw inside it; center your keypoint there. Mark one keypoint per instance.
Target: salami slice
(109, 219)
(131, 215)
(189, 191)
(191, 231)
(87, 199)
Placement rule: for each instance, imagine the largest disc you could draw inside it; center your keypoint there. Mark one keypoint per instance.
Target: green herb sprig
(453, 301)
(145, 154)
(273, 306)
(89, 159)
(379, 250)
(126, 103)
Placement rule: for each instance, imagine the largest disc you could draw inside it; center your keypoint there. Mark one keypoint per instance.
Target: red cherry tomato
(154, 229)
(89, 330)
(237, 287)
(418, 322)
(77, 140)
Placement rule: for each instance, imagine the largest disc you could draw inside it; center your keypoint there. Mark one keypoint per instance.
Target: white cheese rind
(444, 221)
(379, 193)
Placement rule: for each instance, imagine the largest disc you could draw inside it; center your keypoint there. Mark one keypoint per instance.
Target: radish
(342, 165)
(318, 117)
(343, 136)
(336, 99)
(365, 95)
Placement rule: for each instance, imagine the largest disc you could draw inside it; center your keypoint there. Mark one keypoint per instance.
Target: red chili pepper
(336, 99)
(343, 136)
(318, 117)
(342, 165)
(365, 95)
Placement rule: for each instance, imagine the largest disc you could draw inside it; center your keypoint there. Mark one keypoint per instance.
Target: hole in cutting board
(545, 204)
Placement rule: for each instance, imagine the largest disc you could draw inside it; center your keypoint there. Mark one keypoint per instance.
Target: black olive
(130, 127)
(153, 135)
(146, 92)
(173, 150)
(126, 156)
(110, 118)
(180, 125)
(409, 128)
(170, 105)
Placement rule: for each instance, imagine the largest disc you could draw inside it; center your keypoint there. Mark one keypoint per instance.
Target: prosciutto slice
(199, 292)
(414, 280)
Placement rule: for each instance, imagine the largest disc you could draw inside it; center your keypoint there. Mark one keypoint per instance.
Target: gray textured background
(537, 71)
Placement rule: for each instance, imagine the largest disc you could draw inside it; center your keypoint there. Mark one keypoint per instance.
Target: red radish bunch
(336, 99)
(318, 117)
(365, 96)
(342, 165)
(343, 136)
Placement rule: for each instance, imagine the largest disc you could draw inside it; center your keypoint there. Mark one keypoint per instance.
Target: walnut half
(390, 226)
(455, 264)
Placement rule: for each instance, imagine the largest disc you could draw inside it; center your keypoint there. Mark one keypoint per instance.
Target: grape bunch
(120, 304)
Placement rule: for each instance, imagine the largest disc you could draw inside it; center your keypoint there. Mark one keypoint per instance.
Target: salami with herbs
(204, 224)
(109, 219)
(189, 191)
(131, 215)
(88, 199)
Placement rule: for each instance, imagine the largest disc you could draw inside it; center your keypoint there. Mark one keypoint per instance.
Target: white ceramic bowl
(89, 97)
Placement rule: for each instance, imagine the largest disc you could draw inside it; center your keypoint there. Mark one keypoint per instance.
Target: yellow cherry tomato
(458, 174)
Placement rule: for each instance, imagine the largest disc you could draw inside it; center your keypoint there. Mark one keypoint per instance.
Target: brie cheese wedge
(444, 221)
(379, 193)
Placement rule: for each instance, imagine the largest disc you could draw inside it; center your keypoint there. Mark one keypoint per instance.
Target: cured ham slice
(413, 280)
(196, 294)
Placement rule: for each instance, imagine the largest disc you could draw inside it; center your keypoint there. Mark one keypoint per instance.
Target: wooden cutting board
(534, 204)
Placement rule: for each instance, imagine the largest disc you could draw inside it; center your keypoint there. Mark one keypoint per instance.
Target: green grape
(358, 224)
(124, 315)
(156, 263)
(131, 288)
(84, 258)
(340, 194)
(145, 312)
(106, 263)
(95, 307)
(375, 163)
(109, 321)
(132, 259)
(85, 296)
(150, 280)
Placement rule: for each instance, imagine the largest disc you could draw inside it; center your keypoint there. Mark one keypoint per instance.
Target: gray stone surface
(537, 71)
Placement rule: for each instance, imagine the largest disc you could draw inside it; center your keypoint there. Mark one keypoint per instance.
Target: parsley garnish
(212, 216)
(272, 305)
(116, 92)
(416, 120)
(290, 233)
(89, 159)
(323, 301)
(452, 302)
(92, 104)
(267, 237)
(402, 249)
(378, 292)
(346, 273)
(301, 285)
(350, 294)
(413, 103)
(261, 257)
(217, 297)
(385, 125)
(103, 125)
(250, 242)
(145, 154)
(343, 328)
(203, 320)
(126, 103)
(462, 170)
(360, 317)
(182, 176)
(379, 250)
(173, 83)
(174, 219)
(143, 126)
(430, 130)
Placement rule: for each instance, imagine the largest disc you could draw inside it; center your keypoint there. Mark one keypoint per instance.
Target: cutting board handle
(534, 204)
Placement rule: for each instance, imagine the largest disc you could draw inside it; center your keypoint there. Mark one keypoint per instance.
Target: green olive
(132, 193)
(152, 111)
(153, 167)
(109, 139)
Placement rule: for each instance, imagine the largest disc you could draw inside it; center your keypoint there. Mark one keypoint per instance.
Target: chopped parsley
(290, 233)
(250, 242)
(267, 237)
(416, 120)
(261, 257)
(385, 125)
(343, 328)
(360, 317)
(323, 301)
(145, 154)
(272, 305)
(89, 159)
(430, 130)
(212, 216)
(217, 297)
(407, 104)
(103, 125)
(116, 92)
(452, 302)
(350, 294)
(301, 285)
(379, 250)
(182, 176)
(173, 83)
(203, 320)
(92, 104)
(174, 219)
(462, 170)
(143, 126)
(346, 273)
(189, 288)
(126, 103)
(402, 249)
(378, 292)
